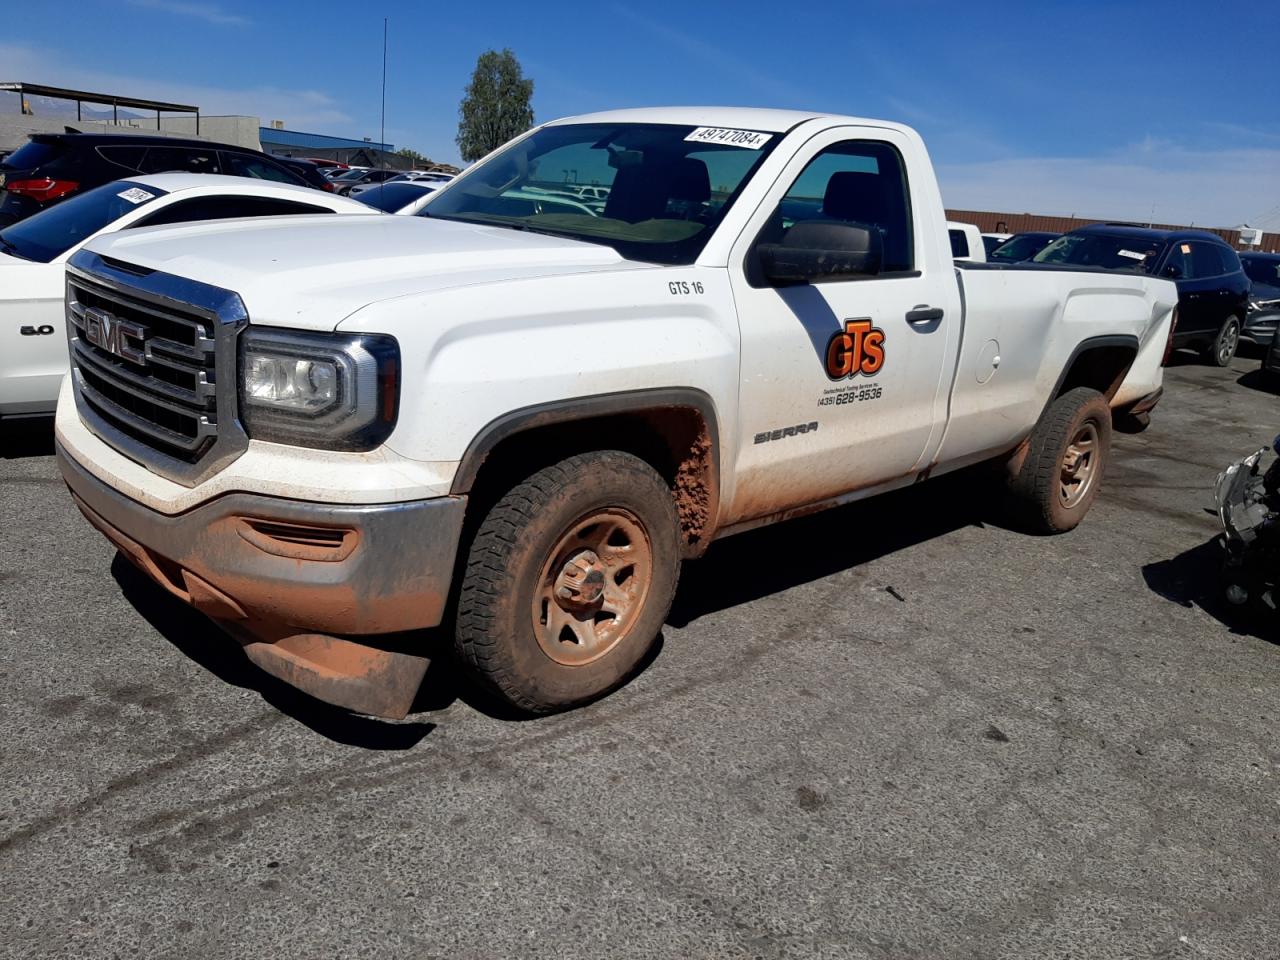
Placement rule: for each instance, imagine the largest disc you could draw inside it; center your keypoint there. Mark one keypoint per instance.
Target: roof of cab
(738, 118)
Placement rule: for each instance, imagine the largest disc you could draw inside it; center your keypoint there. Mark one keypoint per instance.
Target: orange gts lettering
(858, 350)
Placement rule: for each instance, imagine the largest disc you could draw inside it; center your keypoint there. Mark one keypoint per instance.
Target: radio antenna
(382, 133)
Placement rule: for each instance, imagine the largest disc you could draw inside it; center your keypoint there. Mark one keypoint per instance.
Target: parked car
(308, 172)
(966, 242)
(324, 165)
(992, 240)
(1263, 317)
(1213, 291)
(432, 176)
(592, 400)
(1022, 246)
(360, 178)
(50, 167)
(34, 252)
(397, 196)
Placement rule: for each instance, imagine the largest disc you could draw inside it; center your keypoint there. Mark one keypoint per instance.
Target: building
(279, 142)
(987, 221)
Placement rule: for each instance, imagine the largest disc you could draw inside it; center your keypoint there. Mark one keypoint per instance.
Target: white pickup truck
(328, 433)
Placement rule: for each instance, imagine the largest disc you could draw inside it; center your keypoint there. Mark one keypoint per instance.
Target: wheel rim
(1079, 465)
(592, 587)
(1230, 340)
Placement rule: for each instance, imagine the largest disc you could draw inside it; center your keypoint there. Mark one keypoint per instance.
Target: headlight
(336, 391)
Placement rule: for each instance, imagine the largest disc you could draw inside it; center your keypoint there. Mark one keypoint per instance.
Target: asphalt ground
(895, 730)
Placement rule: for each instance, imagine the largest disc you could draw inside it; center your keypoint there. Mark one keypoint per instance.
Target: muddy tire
(568, 581)
(1223, 349)
(1065, 460)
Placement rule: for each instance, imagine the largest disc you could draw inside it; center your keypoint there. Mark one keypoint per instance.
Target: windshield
(393, 196)
(32, 154)
(1130, 254)
(1024, 246)
(662, 188)
(55, 230)
(351, 174)
(1262, 270)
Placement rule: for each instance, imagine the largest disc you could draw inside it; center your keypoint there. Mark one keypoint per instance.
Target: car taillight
(328, 187)
(1168, 344)
(43, 189)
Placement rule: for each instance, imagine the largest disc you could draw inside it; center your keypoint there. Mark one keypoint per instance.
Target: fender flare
(1126, 340)
(557, 412)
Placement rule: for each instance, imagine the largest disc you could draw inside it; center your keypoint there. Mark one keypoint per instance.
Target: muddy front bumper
(307, 587)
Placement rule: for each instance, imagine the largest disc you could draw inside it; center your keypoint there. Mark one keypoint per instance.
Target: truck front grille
(149, 371)
(153, 360)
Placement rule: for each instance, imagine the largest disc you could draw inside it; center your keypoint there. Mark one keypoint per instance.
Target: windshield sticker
(1132, 255)
(135, 195)
(1186, 248)
(749, 139)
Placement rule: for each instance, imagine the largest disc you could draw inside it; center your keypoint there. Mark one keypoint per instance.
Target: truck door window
(959, 243)
(855, 181)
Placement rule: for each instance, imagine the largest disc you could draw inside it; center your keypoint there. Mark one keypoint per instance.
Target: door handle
(924, 314)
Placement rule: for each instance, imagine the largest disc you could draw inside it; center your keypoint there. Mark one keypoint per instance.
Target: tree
(413, 155)
(497, 105)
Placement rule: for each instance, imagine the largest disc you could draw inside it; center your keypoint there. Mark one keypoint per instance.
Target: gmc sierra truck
(330, 433)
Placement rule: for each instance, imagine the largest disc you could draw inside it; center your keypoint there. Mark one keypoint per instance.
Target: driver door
(842, 381)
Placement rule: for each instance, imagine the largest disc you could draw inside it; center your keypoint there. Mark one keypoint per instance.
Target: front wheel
(1223, 349)
(1066, 455)
(568, 581)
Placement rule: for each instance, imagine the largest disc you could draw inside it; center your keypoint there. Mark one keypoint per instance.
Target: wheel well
(677, 442)
(1101, 367)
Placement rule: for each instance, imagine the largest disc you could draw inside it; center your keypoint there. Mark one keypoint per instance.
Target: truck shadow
(1193, 579)
(28, 437)
(760, 563)
(202, 641)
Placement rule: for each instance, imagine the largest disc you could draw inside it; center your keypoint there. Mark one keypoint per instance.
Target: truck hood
(313, 272)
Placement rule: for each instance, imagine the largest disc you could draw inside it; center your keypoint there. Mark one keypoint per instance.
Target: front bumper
(290, 578)
(1260, 326)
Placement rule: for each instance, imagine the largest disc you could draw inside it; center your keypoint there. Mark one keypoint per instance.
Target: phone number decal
(835, 398)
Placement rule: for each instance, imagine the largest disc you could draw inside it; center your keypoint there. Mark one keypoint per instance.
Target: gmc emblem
(124, 338)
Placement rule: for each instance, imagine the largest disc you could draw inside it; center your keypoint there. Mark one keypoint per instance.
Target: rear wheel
(1065, 459)
(1223, 349)
(569, 580)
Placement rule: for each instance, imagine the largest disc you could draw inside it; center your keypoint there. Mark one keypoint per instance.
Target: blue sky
(1094, 108)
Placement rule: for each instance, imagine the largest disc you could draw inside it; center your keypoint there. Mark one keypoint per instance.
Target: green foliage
(413, 155)
(497, 105)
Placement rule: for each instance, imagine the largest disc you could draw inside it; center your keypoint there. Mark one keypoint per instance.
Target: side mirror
(1173, 271)
(814, 250)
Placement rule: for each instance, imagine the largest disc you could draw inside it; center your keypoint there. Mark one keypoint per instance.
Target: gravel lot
(1048, 747)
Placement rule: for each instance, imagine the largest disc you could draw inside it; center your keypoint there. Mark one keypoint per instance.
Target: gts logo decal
(857, 350)
(798, 430)
(43, 330)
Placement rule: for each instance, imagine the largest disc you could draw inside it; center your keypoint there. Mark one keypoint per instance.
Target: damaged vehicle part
(1248, 504)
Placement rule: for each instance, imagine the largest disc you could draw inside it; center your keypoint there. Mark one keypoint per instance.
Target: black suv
(53, 166)
(1213, 291)
(1263, 271)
